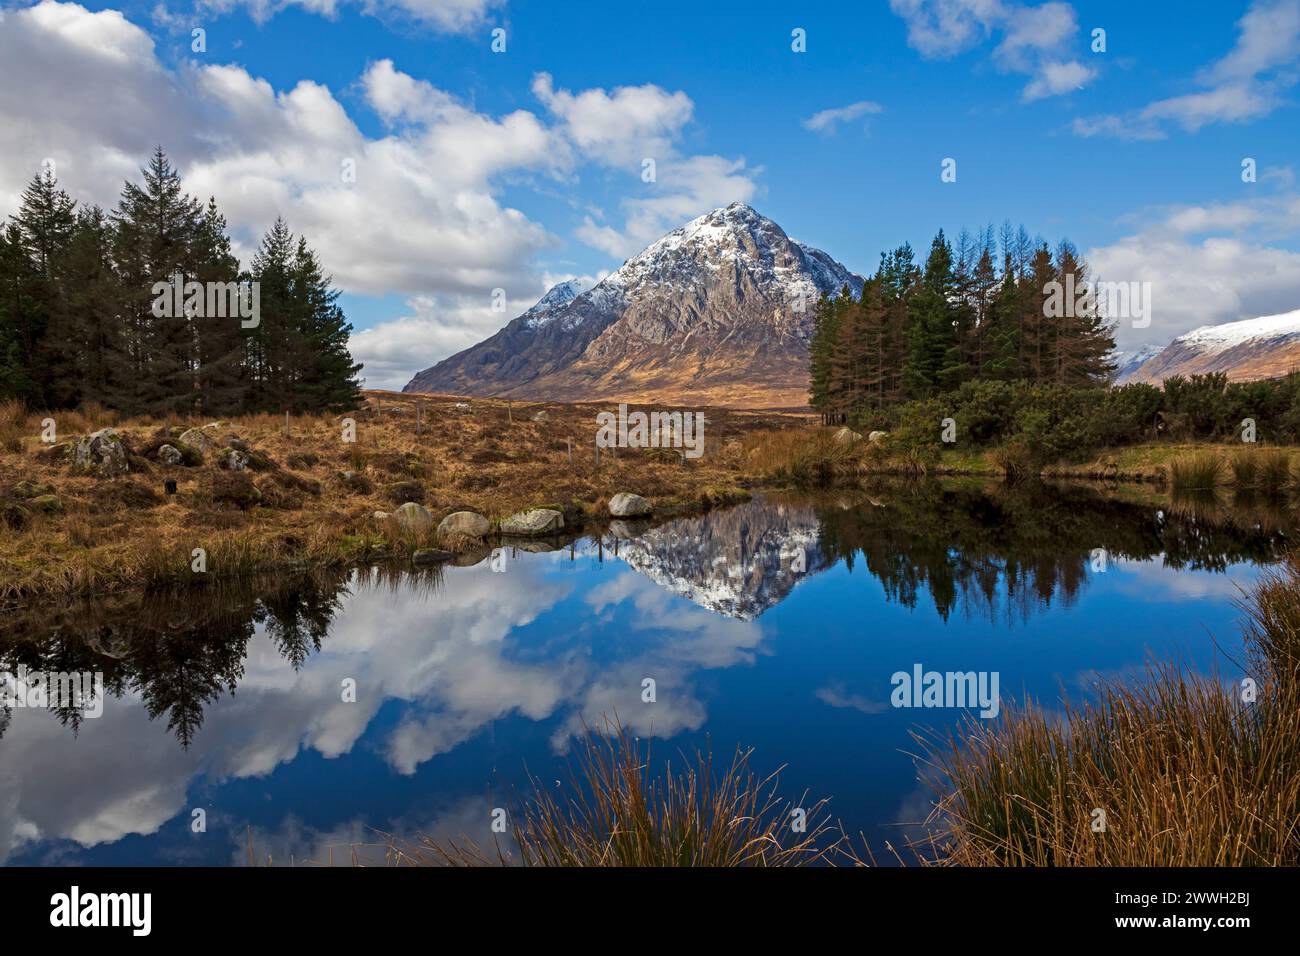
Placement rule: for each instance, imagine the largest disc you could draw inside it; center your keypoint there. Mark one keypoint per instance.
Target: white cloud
(1057, 78)
(685, 188)
(1207, 265)
(624, 129)
(1035, 40)
(451, 16)
(619, 129)
(1246, 84)
(105, 100)
(825, 121)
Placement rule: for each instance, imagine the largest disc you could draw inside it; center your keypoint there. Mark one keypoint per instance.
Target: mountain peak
(717, 310)
(556, 298)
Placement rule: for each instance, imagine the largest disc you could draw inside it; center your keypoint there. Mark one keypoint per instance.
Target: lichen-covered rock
(464, 523)
(625, 505)
(32, 489)
(170, 455)
(101, 453)
(847, 436)
(197, 439)
(413, 517)
(533, 522)
(877, 437)
(381, 516)
(232, 459)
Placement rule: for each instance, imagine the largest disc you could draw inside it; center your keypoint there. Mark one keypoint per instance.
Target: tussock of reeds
(801, 457)
(1016, 462)
(621, 812)
(1186, 770)
(1198, 471)
(1263, 470)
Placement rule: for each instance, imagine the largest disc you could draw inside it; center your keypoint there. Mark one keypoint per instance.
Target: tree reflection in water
(987, 550)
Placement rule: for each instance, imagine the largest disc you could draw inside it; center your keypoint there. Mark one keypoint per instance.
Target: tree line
(80, 316)
(978, 312)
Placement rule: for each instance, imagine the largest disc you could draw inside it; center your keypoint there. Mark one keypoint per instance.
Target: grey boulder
(624, 505)
(536, 521)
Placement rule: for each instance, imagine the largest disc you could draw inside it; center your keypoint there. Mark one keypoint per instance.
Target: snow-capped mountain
(737, 562)
(556, 298)
(1250, 349)
(1128, 361)
(716, 312)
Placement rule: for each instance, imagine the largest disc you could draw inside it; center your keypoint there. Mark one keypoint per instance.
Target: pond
(302, 713)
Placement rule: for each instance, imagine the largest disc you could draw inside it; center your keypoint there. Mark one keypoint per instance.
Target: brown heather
(488, 456)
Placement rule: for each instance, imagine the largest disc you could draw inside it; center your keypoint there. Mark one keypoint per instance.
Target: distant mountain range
(1253, 348)
(718, 312)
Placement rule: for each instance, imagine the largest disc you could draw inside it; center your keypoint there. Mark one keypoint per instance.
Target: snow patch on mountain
(1220, 338)
(1128, 361)
(558, 296)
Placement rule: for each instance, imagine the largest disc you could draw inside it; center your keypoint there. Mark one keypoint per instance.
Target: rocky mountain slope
(1253, 348)
(716, 312)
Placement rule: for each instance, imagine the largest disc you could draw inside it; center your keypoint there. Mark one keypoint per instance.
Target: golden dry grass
(449, 453)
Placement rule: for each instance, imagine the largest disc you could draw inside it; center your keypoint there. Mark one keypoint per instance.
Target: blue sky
(478, 170)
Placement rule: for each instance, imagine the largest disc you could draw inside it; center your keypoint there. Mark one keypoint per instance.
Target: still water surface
(775, 625)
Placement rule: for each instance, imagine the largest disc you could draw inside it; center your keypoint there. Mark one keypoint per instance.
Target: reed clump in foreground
(1185, 771)
(624, 813)
(1198, 471)
(802, 457)
(1266, 471)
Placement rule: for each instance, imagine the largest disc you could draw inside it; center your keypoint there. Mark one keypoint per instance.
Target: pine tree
(272, 341)
(17, 309)
(820, 348)
(155, 228)
(1084, 339)
(933, 356)
(44, 225)
(1038, 329)
(84, 330)
(898, 280)
(873, 321)
(325, 377)
(221, 377)
(1004, 332)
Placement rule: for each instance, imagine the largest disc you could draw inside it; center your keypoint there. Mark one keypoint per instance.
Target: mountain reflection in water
(463, 673)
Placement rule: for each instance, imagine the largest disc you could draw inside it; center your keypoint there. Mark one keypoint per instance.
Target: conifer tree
(155, 226)
(84, 330)
(820, 348)
(326, 376)
(221, 377)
